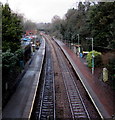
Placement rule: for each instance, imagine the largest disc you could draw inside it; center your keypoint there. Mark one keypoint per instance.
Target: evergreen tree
(11, 29)
(101, 23)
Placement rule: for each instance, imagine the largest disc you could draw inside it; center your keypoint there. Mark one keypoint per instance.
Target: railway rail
(45, 106)
(77, 106)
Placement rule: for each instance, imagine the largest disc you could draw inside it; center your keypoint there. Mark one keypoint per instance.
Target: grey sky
(41, 10)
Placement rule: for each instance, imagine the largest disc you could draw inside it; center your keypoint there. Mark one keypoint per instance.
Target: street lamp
(78, 45)
(78, 38)
(92, 56)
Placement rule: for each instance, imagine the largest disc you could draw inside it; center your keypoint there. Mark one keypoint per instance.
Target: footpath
(21, 103)
(102, 97)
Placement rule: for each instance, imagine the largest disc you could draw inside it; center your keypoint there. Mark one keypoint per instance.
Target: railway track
(45, 104)
(47, 107)
(77, 105)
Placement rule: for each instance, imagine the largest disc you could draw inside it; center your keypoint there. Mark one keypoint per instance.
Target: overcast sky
(41, 10)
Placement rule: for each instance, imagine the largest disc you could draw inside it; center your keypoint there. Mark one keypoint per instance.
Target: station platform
(101, 96)
(21, 103)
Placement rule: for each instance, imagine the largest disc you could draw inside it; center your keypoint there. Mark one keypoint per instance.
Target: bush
(97, 59)
(10, 71)
(13, 46)
(9, 60)
(111, 69)
(19, 54)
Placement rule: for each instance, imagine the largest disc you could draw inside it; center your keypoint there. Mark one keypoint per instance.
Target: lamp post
(78, 38)
(78, 45)
(92, 56)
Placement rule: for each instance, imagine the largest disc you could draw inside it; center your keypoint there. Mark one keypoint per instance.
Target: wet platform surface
(20, 104)
(102, 98)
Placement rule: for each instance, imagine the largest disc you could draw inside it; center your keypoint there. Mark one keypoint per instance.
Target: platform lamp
(78, 44)
(92, 56)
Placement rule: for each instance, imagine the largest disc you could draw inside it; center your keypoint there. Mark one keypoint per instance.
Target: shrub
(97, 59)
(13, 46)
(10, 71)
(111, 69)
(9, 60)
(19, 54)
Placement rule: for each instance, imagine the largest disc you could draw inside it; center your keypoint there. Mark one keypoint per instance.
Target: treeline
(88, 20)
(11, 34)
(13, 27)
